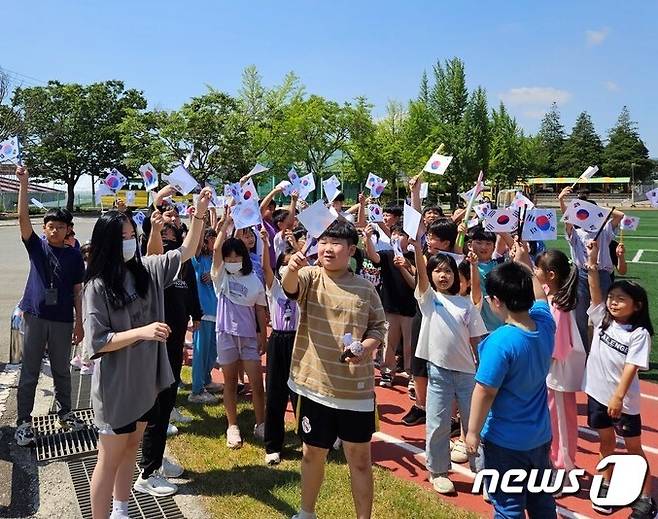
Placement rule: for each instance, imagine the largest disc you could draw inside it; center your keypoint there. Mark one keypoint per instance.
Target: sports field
(642, 258)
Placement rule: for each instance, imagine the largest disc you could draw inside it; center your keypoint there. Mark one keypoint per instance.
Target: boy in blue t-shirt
(509, 406)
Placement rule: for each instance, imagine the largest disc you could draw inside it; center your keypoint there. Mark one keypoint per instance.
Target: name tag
(51, 296)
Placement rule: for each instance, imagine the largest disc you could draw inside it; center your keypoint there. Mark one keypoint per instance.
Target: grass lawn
(644, 238)
(239, 484)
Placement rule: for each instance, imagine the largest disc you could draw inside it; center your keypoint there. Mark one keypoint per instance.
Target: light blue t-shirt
(491, 320)
(516, 362)
(207, 296)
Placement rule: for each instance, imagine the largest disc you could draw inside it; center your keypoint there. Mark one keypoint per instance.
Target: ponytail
(566, 275)
(566, 297)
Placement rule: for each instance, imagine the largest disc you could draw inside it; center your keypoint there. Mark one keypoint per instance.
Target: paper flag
(246, 214)
(652, 196)
(467, 196)
(540, 225)
(316, 218)
(293, 176)
(457, 257)
(521, 200)
(149, 176)
(130, 197)
(258, 168)
(472, 222)
(372, 180)
(585, 215)
(378, 187)
(36, 203)
(234, 190)
(287, 188)
(139, 218)
(307, 186)
(411, 221)
(375, 213)
(9, 150)
(181, 180)
(214, 199)
(115, 180)
(500, 220)
(437, 164)
(629, 223)
(101, 191)
(397, 250)
(188, 159)
(424, 190)
(249, 191)
(482, 209)
(181, 208)
(330, 187)
(589, 172)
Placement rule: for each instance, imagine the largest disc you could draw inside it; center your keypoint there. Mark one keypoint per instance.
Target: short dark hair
(511, 283)
(279, 216)
(340, 197)
(394, 210)
(342, 230)
(434, 208)
(271, 203)
(58, 215)
(444, 229)
(639, 319)
(399, 229)
(239, 248)
(444, 259)
(478, 233)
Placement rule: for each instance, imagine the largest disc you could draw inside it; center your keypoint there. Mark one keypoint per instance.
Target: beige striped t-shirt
(330, 308)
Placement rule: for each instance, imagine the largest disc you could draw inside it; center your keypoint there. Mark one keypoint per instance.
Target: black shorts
(150, 415)
(627, 426)
(319, 425)
(418, 366)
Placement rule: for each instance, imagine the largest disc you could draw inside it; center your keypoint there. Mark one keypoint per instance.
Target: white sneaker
(273, 458)
(76, 362)
(458, 452)
(170, 469)
(24, 434)
(214, 387)
(172, 430)
(259, 432)
(304, 515)
(117, 514)
(155, 485)
(176, 416)
(233, 438)
(202, 398)
(87, 369)
(442, 483)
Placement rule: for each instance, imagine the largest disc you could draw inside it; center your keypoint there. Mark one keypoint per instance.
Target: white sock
(303, 514)
(120, 506)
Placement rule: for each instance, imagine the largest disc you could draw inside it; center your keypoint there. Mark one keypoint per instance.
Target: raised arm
(421, 268)
(563, 207)
(372, 254)
(622, 268)
(191, 240)
(290, 281)
(217, 258)
(267, 268)
(521, 255)
(154, 245)
(23, 205)
(162, 194)
(593, 273)
(476, 289)
(414, 189)
(616, 218)
(265, 202)
(361, 214)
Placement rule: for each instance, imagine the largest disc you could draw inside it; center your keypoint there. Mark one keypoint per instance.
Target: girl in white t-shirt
(240, 302)
(565, 377)
(620, 348)
(449, 333)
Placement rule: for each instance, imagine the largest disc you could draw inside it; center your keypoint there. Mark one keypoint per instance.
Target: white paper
(540, 225)
(375, 213)
(652, 196)
(249, 191)
(287, 188)
(246, 214)
(36, 203)
(372, 180)
(101, 191)
(457, 257)
(233, 190)
(585, 215)
(411, 221)
(9, 150)
(181, 180)
(130, 197)
(437, 164)
(149, 176)
(501, 220)
(258, 168)
(521, 200)
(482, 209)
(397, 250)
(331, 192)
(188, 159)
(472, 223)
(316, 218)
(424, 189)
(182, 208)
(629, 223)
(115, 180)
(467, 196)
(293, 176)
(307, 186)
(139, 218)
(378, 188)
(589, 172)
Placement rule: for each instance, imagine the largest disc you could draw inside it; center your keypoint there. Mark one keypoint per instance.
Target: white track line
(637, 256)
(620, 442)
(650, 397)
(459, 469)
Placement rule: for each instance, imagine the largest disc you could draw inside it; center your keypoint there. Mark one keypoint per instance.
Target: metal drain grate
(80, 391)
(53, 442)
(142, 506)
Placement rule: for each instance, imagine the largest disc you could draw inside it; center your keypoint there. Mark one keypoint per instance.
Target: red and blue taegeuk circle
(436, 164)
(503, 219)
(582, 214)
(543, 223)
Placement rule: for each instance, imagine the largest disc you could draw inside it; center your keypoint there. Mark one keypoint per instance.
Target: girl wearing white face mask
(125, 333)
(240, 304)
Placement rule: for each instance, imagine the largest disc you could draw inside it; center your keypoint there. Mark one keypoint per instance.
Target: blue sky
(587, 55)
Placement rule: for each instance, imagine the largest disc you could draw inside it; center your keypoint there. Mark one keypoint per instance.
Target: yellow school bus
(136, 198)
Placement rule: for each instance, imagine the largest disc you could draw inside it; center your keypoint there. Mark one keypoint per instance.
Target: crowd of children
(490, 338)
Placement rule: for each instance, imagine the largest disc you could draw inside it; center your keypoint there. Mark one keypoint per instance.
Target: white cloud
(534, 114)
(535, 96)
(611, 86)
(596, 37)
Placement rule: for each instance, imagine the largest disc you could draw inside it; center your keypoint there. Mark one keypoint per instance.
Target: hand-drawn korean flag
(149, 176)
(375, 213)
(234, 190)
(500, 220)
(437, 164)
(652, 196)
(115, 180)
(307, 183)
(9, 150)
(378, 188)
(587, 216)
(629, 223)
(372, 180)
(540, 225)
(293, 176)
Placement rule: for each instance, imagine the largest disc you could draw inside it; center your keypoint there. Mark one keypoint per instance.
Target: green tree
(551, 136)
(475, 156)
(507, 150)
(583, 148)
(10, 120)
(71, 129)
(624, 149)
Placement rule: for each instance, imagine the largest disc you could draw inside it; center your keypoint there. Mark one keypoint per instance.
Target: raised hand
(157, 221)
(297, 261)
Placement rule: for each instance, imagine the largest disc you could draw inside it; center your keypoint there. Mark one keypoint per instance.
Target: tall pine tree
(551, 136)
(583, 148)
(625, 148)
